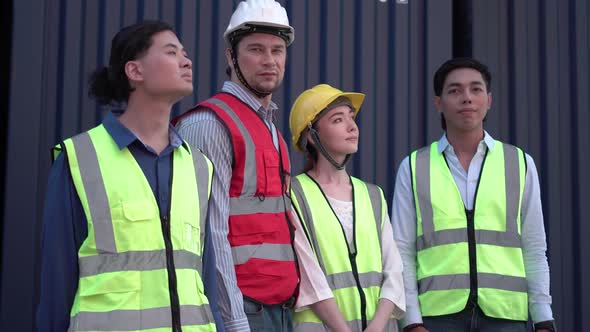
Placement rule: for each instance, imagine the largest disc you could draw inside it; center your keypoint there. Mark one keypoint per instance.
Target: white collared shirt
(534, 246)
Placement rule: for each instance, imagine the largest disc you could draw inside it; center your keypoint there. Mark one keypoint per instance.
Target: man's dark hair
(110, 83)
(457, 63)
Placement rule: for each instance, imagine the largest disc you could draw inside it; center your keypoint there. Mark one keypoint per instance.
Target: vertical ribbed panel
(538, 52)
(377, 48)
(380, 49)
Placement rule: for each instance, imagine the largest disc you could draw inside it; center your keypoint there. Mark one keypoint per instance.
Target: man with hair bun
(124, 223)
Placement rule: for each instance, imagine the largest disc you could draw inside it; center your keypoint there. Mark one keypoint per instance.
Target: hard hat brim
(244, 26)
(356, 99)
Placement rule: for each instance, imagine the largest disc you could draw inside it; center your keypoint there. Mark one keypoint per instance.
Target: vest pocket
(107, 283)
(254, 230)
(109, 292)
(272, 172)
(191, 236)
(138, 210)
(137, 226)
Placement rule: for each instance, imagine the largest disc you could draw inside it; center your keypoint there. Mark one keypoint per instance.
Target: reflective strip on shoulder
(422, 177)
(461, 281)
(346, 280)
(96, 195)
(202, 175)
(145, 319)
(249, 185)
(512, 179)
(305, 211)
(251, 205)
(137, 261)
(270, 251)
(376, 202)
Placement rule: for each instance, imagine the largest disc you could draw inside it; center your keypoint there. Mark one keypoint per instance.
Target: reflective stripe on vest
(442, 232)
(330, 246)
(137, 261)
(249, 164)
(204, 175)
(95, 192)
(132, 320)
(123, 281)
(250, 205)
(259, 229)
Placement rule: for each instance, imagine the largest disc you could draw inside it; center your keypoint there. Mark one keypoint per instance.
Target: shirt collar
(443, 143)
(124, 137)
(245, 96)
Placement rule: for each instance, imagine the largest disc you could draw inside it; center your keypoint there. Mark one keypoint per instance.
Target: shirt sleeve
(313, 285)
(205, 131)
(534, 247)
(64, 230)
(209, 279)
(392, 288)
(403, 216)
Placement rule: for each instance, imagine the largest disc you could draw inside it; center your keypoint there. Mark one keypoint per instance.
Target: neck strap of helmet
(324, 152)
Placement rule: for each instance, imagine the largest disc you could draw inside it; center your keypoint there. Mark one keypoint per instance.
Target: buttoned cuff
(238, 325)
(540, 312)
(412, 316)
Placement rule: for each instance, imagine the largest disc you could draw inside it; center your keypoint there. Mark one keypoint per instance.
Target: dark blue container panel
(538, 52)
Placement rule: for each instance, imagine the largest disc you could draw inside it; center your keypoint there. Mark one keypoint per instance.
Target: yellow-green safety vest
(124, 263)
(444, 232)
(355, 279)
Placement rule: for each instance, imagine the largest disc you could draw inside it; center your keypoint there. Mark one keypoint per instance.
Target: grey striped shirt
(205, 131)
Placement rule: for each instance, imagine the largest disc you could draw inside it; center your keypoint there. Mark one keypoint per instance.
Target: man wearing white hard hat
(252, 231)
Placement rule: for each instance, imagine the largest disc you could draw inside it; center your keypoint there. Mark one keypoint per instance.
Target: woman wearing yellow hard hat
(345, 220)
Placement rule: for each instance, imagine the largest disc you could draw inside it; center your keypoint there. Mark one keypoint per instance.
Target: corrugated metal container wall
(388, 50)
(385, 50)
(539, 53)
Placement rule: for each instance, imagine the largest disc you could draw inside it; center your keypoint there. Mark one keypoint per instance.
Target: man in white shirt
(468, 222)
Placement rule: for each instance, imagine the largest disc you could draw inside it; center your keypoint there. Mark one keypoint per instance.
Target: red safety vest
(260, 230)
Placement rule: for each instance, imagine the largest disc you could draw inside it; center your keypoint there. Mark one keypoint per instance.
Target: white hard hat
(267, 16)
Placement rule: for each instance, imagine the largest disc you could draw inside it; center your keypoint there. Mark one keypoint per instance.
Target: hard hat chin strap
(320, 147)
(234, 58)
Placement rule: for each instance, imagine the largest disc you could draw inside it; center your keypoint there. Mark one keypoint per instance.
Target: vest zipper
(172, 282)
(472, 301)
(351, 254)
(352, 258)
(470, 216)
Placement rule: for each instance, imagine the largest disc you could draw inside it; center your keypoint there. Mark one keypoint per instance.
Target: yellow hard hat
(311, 102)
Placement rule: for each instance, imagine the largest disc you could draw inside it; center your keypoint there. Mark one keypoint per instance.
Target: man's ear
(436, 102)
(134, 71)
(228, 58)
